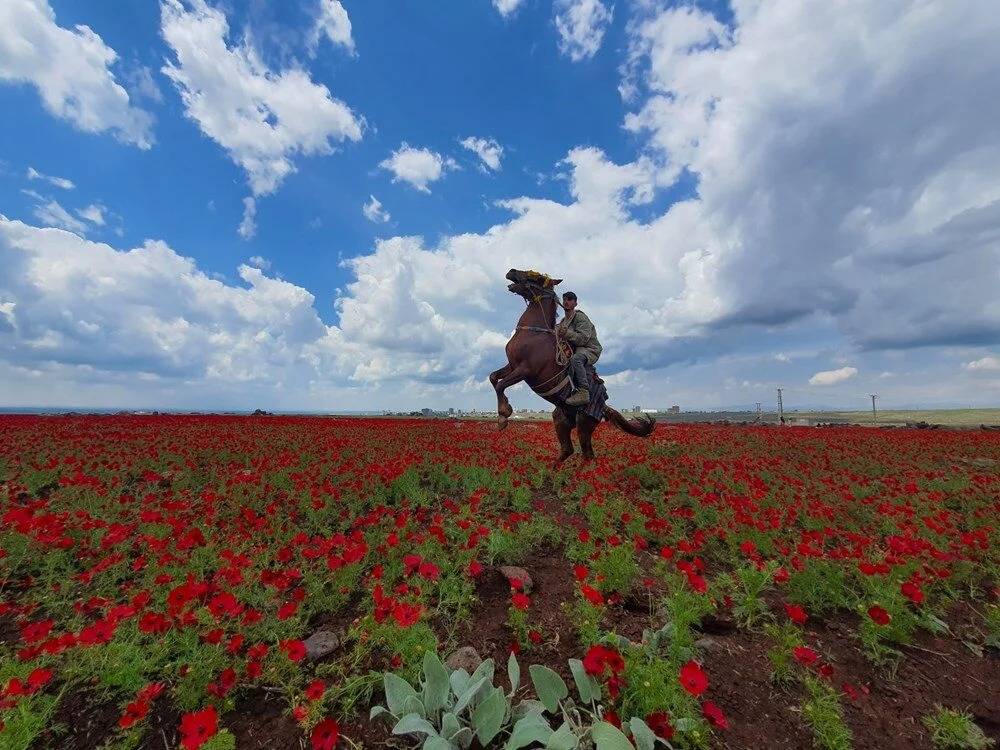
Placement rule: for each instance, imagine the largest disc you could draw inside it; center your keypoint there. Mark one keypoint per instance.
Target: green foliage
(619, 568)
(824, 716)
(955, 730)
(786, 637)
(748, 585)
(26, 721)
(992, 621)
(507, 547)
(821, 587)
(223, 740)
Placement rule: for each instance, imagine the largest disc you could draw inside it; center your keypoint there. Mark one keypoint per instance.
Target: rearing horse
(532, 357)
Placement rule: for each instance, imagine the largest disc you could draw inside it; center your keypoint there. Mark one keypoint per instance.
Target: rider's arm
(580, 331)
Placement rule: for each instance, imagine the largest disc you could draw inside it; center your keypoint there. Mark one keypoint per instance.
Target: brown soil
(261, 721)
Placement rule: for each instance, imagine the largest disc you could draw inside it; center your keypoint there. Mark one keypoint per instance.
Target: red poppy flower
(878, 615)
(805, 655)
(659, 722)
(294, 649)
(912, 592)
(198, 727)
(714, 715)
(520, 601)
(325, 735)
(315, 690)
(693, 679)
(591, 594)
(796, 614)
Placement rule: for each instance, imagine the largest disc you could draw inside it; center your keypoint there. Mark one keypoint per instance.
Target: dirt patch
(80, 723)
(261, 721)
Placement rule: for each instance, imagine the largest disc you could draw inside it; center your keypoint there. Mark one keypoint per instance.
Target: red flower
(295, 650)
(781, 576)
(475, 568)
(591, 594)
(134, 712)
(796, 614)
(406, 615)
(693, 679)
(659, 722)
(315, 690)
(534, 636)
(805, 655)
(198, 727)
(580, 572)
(878, 615)
(325, 735)
(714, 715)
(38, 678)
(912, 592)
(612, 718)
(520, 601)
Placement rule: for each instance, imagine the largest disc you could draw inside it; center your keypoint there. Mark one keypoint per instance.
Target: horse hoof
(501, 422)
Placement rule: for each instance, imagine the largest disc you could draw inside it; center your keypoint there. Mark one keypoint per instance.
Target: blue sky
(745, 196)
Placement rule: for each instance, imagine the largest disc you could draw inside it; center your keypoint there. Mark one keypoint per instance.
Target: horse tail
(640, 427)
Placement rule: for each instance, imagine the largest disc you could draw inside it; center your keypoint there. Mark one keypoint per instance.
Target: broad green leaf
(471, 692)
(449, 725)
(463, 737)
(436, 743)
(532, 728)
(485, 669)
(584, 686)
(489, 716)
(397, 690)
(684, 724)
(528, 706)
(609, 737)
(563, 739)
(514, 673)
(413, 704)
(460, 680)
(376, 712)
(414, 724)
(550, 686)
(436, 683)
(642, 735)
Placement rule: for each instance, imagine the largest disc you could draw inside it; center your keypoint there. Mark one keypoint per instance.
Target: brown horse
(532, 357)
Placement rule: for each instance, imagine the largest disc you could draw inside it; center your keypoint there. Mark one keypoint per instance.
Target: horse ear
(556, 282)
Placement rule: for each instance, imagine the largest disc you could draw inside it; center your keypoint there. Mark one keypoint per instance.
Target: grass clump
(955, 730)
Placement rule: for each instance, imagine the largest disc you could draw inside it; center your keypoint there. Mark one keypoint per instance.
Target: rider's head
(569, 301)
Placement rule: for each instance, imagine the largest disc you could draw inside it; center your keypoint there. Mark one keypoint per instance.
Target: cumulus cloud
(248, 225)
(71, 69)
(984, 364)
(259, 262)
(417, 167)
(263, 118)
(581, 25)
(487, 149)
(832, 377)
(60, 182)
(507, 7)
(333, 23)
(374, 212)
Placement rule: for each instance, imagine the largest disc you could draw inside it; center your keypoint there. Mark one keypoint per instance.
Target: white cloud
(248, 226)
(59, 182)
(262, 117)
(333, 23)
(507, 7)
(52, 214)
(487, 149)
(374, 212)
(832, 377)
(417, 166)
(984, 364)
(259, 262)
(71, 70)
(581, 25)
(94, 213)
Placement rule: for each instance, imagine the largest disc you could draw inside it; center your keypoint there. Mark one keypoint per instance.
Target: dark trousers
(577, 368)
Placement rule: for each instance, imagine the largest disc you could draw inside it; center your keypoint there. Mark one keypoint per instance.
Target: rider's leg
(581, 396)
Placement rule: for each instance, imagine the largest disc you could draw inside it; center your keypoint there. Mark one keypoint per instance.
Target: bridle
(539, 292)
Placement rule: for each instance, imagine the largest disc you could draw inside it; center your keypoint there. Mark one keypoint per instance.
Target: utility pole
(757, 418)
(781, 409)
(874, 413)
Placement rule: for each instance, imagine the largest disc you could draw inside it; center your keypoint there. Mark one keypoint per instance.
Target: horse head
(529, 284)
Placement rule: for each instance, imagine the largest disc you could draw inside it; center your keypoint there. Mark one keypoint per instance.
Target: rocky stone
(466, 658)
(512, 573)
(707, 644)
(320, 644)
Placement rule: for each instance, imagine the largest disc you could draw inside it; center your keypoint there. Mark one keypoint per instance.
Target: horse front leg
(585, 428)
(506, 377)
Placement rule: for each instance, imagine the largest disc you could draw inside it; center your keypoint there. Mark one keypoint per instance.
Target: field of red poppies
(279, 582)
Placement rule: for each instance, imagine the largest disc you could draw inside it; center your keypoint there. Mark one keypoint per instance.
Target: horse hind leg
(564, 431)
(585, 427)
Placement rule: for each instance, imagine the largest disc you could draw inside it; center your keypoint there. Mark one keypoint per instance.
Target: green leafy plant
(786, 637)
(822, 712)
(748, 584)
(955, 730)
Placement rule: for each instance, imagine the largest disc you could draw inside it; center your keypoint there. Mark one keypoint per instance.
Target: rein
(561, 359)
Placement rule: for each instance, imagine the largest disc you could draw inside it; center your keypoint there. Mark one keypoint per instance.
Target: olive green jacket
(581, 335)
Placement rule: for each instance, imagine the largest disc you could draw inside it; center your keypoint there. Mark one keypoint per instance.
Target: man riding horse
(535, 356)
(579, 332)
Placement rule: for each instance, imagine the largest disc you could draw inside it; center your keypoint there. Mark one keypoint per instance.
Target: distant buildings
(675, 409)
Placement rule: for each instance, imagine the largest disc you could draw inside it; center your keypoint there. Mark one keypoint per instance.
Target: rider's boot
(579, 397)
